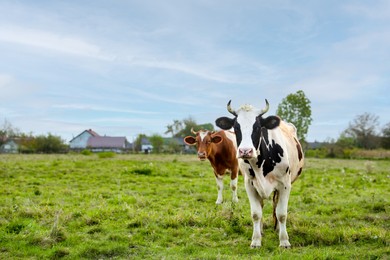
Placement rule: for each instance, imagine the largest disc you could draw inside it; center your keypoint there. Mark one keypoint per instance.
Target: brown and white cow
(271, 159)
(220, 149)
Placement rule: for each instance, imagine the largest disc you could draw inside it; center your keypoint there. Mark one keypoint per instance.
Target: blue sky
(128, 67)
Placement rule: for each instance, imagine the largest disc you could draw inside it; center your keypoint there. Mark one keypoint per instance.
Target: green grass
(163, 207)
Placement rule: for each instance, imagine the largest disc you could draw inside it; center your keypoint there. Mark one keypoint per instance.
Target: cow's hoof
(235, 200)
(218, 202)
(285, 244)
(255, 244)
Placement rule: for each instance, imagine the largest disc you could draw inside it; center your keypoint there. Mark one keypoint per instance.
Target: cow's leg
(219, 180)
(256, 212)
(281, 214)
(274, 203)
(233, 186)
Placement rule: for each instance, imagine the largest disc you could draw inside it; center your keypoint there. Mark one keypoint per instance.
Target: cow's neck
(263, 184)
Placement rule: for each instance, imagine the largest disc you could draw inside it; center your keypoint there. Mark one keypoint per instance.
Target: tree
(49, 144)
(362, 130)
(386, 136)
(172, 146)
(183, 128)
(175, 128)
(27, 143)
(157, 142)
(8, 131)
(296, 109)
(189, 123)
(138, 142)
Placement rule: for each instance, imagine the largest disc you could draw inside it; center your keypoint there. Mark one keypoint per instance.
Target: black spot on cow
(299, 148)
(237, 131)
(226, 123)
(256, 132)
(300, 171)
(269, 154)
(288, 168)
(251, 171)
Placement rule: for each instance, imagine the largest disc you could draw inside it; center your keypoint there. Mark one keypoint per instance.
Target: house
(10, 146)
(108, 143)
(315, 145)
(146, 145)
(80, 142)
(91, 140)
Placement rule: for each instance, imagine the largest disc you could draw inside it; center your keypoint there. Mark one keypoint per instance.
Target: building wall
(9, 147)
(80, 142)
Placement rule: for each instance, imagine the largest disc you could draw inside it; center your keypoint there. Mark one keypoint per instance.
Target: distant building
(108, 143)
(91, 140)
(146, 146)
(10, 146)
(80, 142)
(316, 145)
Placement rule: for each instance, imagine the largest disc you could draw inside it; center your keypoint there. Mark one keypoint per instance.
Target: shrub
(104, 155)
(86, 152)
(142, 171)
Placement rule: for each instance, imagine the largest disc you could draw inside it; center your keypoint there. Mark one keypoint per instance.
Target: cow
(270, 158)
(220, 149)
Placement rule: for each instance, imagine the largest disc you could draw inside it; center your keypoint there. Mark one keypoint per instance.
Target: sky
(130, 67)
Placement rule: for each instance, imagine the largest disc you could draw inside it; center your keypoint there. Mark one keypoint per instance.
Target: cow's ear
(270, 122)
(190, 140)
(224, 123)
(216, 139)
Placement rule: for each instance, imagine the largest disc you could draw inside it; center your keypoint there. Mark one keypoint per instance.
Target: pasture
(163, 207)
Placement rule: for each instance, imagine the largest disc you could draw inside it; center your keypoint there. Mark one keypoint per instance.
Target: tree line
(362, 132)
(28, 143)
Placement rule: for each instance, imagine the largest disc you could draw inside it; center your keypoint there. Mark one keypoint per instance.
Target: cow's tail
(275, 202)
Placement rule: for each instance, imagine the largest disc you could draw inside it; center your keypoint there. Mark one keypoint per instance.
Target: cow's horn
(265, 110)
(230, 109)
(192, 131)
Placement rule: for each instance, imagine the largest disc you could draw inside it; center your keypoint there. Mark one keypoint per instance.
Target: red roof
(107, 142)
(93, 133)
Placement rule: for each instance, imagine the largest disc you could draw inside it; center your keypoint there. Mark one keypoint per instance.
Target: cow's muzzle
(202, 156)
(245, 153)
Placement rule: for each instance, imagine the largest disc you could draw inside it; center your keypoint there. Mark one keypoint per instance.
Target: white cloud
(11, 88)
(5, 81)
(376, 10)
(51, 41)
(102, 109)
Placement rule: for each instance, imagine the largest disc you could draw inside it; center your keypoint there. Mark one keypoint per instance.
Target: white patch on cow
(246, 119)
(246, 107)
(219, 181)
(203, 135)
(232, 137)
(233, 186)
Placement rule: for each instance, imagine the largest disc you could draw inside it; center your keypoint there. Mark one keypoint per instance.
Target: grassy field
(163, 207)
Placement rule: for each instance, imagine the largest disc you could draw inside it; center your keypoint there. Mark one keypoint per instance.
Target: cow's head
(203, 140)
(248, 125)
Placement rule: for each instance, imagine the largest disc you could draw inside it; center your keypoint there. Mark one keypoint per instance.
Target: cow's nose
(201, 154)
(245, 152)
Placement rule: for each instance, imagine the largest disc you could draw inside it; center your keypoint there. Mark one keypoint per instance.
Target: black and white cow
(270, 158)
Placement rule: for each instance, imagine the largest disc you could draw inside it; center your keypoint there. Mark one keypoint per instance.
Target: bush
(142, 171)
(104, 155)
(86, 152)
